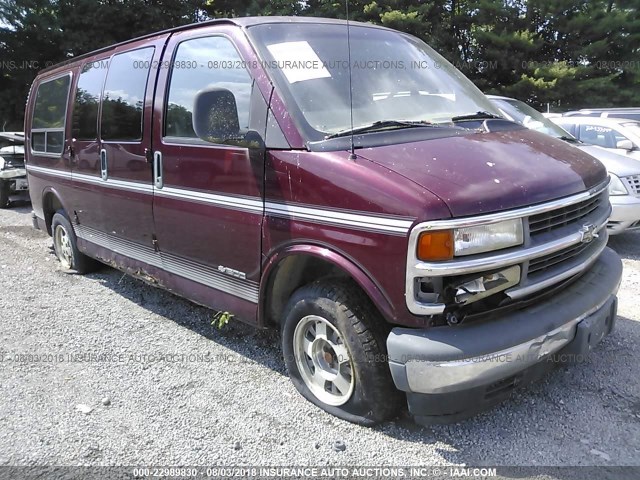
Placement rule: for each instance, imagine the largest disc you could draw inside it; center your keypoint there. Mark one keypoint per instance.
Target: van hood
(489, 172)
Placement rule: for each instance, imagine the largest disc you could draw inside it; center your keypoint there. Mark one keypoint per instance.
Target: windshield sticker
(298, 61)
(592, 128)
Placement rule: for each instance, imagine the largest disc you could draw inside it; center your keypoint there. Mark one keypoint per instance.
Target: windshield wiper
(475, 116)
(382, 125)
(569, 139)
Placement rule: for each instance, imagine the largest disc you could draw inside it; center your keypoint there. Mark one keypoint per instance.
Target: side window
(49, 115)
(85, 107)
(597, 135)
(124, 92)
(618, 137)
(201, 63)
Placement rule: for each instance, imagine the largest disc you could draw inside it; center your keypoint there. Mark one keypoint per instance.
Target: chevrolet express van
(359, 193)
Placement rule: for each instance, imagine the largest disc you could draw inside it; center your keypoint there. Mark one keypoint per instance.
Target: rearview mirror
(625, 145)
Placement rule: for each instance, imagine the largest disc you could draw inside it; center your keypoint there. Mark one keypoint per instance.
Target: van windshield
(394, 78)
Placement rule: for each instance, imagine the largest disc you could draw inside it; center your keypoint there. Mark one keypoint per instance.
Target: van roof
(244, 22)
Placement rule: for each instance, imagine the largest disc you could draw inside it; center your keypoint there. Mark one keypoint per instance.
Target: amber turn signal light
(436, 245)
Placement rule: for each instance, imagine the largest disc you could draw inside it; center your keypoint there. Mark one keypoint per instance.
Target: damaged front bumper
(453, 372)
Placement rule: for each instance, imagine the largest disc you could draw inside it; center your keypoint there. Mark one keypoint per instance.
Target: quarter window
(201, 63)
(85, 107)
(124, 92)
(49, 115)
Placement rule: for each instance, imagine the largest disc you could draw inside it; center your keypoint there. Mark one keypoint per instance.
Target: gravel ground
(239, 407)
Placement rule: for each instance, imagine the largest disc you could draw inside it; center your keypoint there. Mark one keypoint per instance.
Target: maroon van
(368, 201)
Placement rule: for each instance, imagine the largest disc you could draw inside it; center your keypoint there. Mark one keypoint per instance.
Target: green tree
(38, 33)
(570, 53)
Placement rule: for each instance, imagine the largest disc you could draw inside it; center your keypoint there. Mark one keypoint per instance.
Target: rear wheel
(334, 343)
(5, 189)
(66, 247)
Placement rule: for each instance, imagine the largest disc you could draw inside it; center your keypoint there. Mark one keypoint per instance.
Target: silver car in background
(624, 190)
(619, 135)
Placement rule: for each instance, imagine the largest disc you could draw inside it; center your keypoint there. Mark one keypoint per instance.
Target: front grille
(562, 224)
(633, 182)
(541, 264)
(561, 217)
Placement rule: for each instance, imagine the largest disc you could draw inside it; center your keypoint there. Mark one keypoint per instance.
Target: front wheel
(334, 343)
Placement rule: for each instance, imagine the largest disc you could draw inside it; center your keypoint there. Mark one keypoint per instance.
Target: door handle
(104, 173)
(157, 169)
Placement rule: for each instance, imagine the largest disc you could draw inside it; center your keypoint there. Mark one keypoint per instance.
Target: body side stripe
(359, 220)
(196, 272)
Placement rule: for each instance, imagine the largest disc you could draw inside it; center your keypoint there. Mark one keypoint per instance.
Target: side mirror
(215, 115)
(625, 145)
(215, 120)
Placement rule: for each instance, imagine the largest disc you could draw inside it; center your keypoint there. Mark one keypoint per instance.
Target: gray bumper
(13, 173)
(450, 360)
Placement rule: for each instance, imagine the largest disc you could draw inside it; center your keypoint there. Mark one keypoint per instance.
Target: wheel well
(50, 205)
(290, 274)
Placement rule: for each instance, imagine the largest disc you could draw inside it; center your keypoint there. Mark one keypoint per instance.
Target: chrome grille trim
(510, 214)
(542, 264)
(561, 217)
(517, 293)
(460, 267)
(539, 249)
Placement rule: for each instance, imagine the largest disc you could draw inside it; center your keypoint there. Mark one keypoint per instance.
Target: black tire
(4, 194)
(74, 260)
(363, 332)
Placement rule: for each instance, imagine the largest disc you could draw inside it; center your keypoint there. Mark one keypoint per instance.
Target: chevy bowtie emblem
(588, 233)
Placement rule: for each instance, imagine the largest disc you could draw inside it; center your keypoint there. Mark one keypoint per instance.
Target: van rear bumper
(453, 372)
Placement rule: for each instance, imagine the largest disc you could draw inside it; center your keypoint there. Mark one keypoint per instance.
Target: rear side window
(87, 101)
(49, 115)
(124, 92)
(205, 63)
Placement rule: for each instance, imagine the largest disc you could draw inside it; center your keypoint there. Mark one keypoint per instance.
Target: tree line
(566, 53)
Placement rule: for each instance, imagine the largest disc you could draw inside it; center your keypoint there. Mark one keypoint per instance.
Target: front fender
(340, 260)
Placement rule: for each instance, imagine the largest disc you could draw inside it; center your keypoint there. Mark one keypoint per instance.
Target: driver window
(208, 62)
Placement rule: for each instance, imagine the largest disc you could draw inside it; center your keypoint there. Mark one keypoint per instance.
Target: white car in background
(624, 190)
(619, 135)
(632, 113)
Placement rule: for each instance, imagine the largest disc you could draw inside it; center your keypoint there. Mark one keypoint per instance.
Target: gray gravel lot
(239, 407)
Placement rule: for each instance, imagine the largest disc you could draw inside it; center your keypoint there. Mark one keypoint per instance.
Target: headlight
(617, 187)
(485, 238)
(2, 163)
(445, 244)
